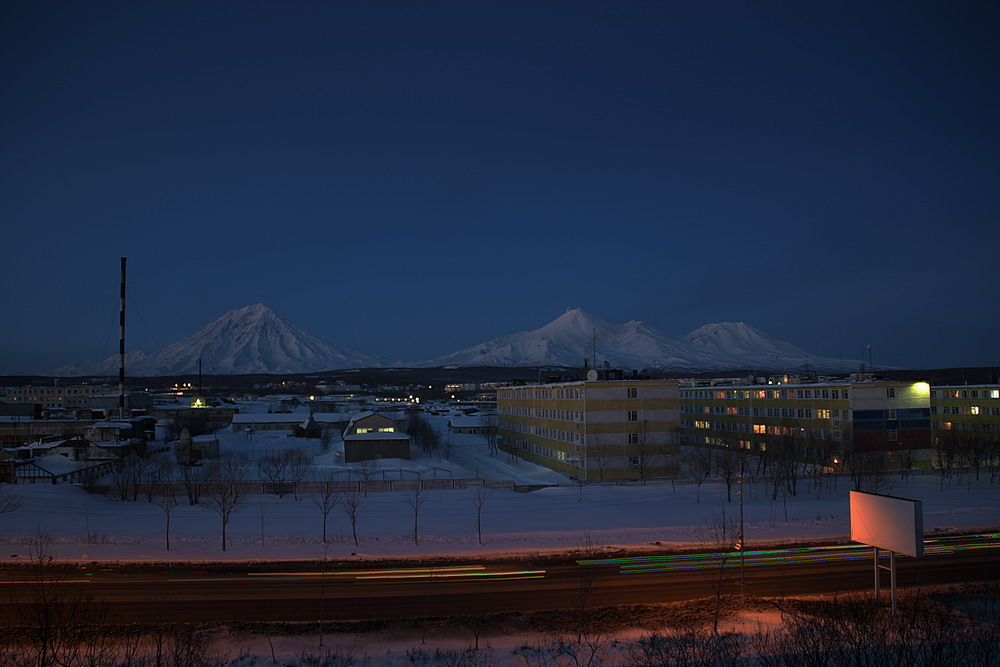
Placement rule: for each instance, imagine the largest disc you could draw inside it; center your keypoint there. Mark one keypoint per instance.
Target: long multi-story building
(75, 397)
(967, 408)
(811, 421)
(594, 430)
(56, 396)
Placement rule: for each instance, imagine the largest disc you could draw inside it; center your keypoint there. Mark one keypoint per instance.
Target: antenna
(595, 345)
(121, 347)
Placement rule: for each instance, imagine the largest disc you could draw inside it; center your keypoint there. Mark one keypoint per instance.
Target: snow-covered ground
(88, 527)
(81, 527)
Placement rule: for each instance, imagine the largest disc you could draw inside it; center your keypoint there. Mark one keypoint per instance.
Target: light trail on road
(789, 556)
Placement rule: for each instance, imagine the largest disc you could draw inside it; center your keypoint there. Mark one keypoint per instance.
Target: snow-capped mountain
(573, 336)
(253, 339)
(567, 340)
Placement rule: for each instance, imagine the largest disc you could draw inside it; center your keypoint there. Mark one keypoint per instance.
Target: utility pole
(121, 346)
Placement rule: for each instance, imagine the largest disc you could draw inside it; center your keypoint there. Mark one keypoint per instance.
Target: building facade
(820, 422)
(596, 430)
(971, 410)
(75, 397)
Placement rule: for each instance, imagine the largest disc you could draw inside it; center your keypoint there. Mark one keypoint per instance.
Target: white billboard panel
(888, 522)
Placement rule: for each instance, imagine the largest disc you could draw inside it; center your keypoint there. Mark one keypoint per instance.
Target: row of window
(550, 433)
(788, 413)
(965, 410)
(538, 450)
(965, 393)
(967, 426)
(768, 429)
(761, 394)
(542, 413)
(543, 394)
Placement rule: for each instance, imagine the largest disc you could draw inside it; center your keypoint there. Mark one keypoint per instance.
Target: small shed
(376, 445)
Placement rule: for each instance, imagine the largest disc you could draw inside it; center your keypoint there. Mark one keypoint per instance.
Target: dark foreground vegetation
(954, 626)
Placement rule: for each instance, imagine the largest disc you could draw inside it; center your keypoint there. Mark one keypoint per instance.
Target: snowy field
(89, 527)
(80, 527)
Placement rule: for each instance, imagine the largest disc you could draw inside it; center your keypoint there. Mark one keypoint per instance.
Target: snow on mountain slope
(571, 337)
(256, 340)
(725, 341)
(252, 339)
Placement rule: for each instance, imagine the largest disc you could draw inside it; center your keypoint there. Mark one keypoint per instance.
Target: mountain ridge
(254, 339)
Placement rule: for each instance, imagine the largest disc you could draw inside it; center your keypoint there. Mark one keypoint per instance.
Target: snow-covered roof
(466, 422)
(288, 417)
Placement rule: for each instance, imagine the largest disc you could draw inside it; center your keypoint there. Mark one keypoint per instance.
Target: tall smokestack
(121, 347)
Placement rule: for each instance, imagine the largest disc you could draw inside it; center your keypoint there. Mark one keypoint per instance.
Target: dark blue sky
(412, 178)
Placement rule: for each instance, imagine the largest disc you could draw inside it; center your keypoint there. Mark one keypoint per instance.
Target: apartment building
(75, 397)
(967, 408)
(815, 421)
(594, 430)
(56, 397)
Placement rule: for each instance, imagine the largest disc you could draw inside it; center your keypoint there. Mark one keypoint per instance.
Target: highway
(336, 591)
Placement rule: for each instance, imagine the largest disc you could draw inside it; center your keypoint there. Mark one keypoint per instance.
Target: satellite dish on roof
(591, 375)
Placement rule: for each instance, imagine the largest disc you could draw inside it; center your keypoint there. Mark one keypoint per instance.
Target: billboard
(888, 522)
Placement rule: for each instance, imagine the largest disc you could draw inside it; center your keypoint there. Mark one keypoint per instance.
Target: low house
(467, 425)
(250, 423)
(189, 450)
(370, 435)
(310, 428)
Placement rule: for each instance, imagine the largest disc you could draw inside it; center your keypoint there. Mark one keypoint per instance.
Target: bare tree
(415, 499)
(645, 455)
(720, 535)
(870, 469)
(193, 479)
(700, 462)
(352, 502)
(727, 464)
(224, 492)
(274, 467)
(601, 456)
(299, 467)
(10, 500)
(325, 438)
(366, 471)
(490, 424)
(325, 498)
(127, 476)
(479, 498)
(423, 433)
(164, 493)
(973, 451)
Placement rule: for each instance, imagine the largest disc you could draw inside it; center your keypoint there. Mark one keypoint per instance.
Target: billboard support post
(890, 523)
(878, 584)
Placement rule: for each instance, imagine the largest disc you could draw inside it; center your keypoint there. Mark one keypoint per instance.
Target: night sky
(411, 178)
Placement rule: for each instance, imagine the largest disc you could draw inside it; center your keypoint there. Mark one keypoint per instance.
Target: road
(336, 593)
